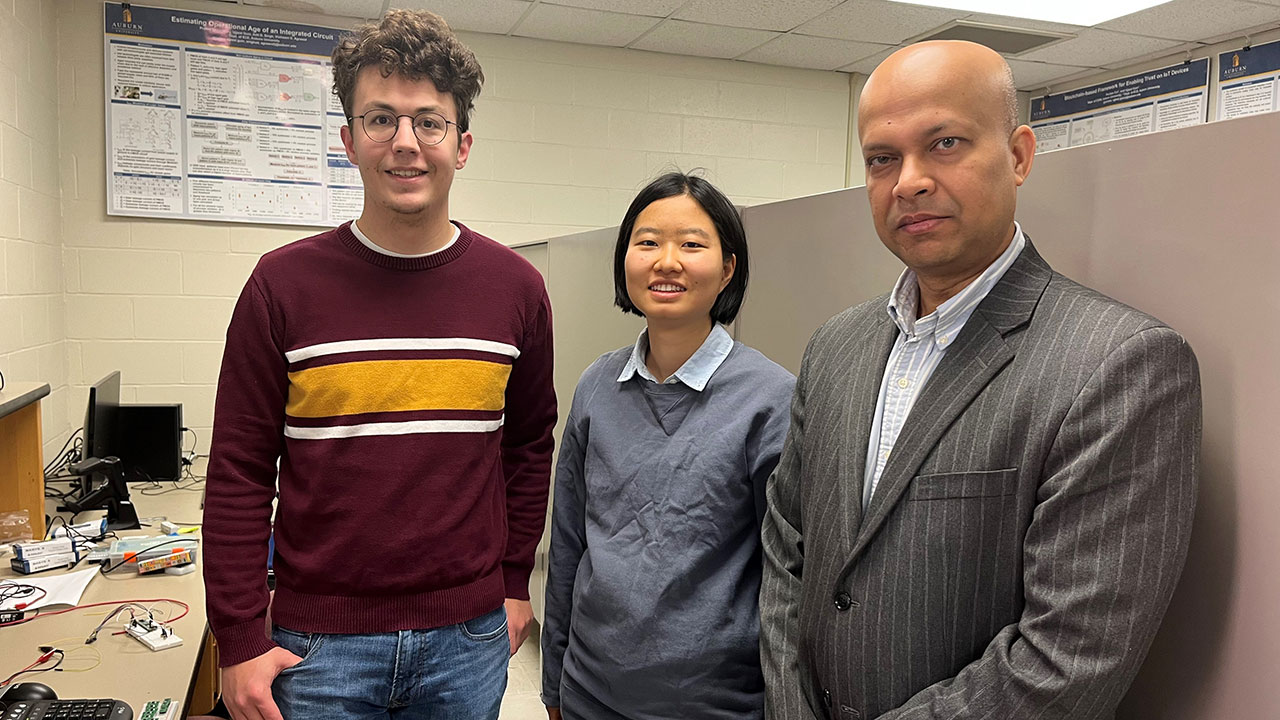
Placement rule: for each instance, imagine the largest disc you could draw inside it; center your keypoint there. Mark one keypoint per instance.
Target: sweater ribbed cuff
(242, 642)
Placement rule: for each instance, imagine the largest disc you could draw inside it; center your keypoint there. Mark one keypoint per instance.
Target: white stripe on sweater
(382, 344)
(412, 427)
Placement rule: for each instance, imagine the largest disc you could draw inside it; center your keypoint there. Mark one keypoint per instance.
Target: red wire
(185, 609)
(44, 658)
(37, 662)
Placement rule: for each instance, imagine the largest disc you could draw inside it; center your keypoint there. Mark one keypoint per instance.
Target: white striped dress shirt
(920, 347)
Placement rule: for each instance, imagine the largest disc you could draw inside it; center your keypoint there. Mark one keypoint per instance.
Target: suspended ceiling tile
(652, 8)
(762, 14)
(690, 38)
(878, 21)
(1194, 19)
(1098, 47)
(578, 25)
(1234, 35)
(1177, 53)
(486, 16)
(869, 63)
(1034, 75)
(806, 51)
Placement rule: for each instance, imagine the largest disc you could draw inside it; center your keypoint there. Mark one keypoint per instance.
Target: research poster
(1247, 81)
(1166, 99)
(213, 117)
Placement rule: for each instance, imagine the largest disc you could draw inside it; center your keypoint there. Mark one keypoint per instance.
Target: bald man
(983, 504)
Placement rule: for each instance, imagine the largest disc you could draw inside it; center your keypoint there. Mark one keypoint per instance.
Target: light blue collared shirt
(695, 372)
(920, 347)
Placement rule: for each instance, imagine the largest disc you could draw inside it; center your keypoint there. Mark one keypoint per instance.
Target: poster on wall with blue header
(1247, 80)
(223, 118)
(1165, 99)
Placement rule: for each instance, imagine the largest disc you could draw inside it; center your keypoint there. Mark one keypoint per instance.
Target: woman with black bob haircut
(654, 571)
(724, 216)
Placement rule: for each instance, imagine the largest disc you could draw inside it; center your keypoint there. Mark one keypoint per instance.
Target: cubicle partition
(1180, 224)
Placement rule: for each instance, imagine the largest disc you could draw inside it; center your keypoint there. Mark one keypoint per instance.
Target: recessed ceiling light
(1072, 12)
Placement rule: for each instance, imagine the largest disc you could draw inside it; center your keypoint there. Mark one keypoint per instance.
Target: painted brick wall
(32, 318)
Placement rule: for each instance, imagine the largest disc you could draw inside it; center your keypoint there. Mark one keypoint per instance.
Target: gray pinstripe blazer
(1027, 532)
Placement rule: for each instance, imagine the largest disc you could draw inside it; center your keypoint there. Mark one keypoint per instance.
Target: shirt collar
(951, 315)
(355, 230)
(696, 372)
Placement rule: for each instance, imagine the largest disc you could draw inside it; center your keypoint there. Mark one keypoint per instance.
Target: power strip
(152, 634)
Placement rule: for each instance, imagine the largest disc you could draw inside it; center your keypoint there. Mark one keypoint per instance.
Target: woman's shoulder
(604, 369)
(611, 362)
(753, 380)
(600, 375)
(750, 361)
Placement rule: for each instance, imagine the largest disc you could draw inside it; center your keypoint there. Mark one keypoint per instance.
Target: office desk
(129, 671)
(21, 461)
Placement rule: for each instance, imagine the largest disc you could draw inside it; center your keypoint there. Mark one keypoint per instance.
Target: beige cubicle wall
(587, 324)
(1183, 225)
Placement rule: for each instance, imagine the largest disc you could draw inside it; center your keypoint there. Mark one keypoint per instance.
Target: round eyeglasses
(382, 125)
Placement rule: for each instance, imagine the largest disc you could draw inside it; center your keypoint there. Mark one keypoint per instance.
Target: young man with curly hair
(395, 374)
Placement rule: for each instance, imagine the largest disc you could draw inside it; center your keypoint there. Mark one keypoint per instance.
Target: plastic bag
(15, 526)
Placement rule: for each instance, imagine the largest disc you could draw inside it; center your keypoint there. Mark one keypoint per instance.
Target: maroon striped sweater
(409, 404)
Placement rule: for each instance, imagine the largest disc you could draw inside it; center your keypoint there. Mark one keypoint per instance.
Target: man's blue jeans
(458, 672)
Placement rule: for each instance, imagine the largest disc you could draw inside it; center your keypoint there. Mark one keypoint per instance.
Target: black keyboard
(67, 710)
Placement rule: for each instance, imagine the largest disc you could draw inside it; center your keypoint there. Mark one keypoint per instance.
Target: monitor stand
(112, 493)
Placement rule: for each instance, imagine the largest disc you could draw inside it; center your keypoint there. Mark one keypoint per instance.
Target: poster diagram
(223, 118)
(1165, 99)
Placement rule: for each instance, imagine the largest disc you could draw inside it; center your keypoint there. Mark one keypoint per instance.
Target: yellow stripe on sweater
(374, 386)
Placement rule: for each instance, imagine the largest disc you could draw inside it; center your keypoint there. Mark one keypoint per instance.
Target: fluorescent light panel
(1072, 12)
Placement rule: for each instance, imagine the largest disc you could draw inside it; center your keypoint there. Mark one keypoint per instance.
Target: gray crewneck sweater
(651, 605)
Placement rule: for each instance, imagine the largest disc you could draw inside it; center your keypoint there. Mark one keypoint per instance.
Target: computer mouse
(28, 691)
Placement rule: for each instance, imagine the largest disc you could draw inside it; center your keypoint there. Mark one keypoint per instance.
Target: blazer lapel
(977, 356)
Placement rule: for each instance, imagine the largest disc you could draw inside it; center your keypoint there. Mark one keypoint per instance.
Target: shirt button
(942, 340)
(903, 382)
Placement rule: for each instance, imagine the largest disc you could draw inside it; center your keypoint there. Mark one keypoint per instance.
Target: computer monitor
(123, 443)
(100, 417)
(102, 484)
(148, 440)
